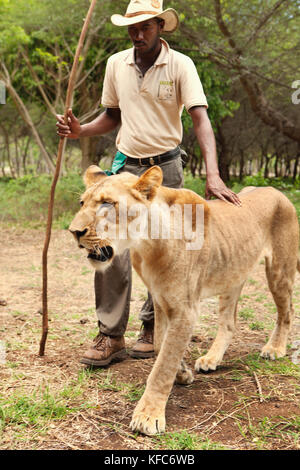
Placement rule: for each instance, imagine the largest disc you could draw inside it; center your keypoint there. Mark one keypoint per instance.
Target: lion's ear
(93, 175)
(149, 182)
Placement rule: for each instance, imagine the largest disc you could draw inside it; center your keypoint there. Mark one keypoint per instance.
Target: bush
(25, 200)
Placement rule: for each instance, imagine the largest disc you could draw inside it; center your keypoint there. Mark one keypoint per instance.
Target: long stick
(60, 152)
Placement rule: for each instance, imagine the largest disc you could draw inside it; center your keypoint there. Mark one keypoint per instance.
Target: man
(145, 89)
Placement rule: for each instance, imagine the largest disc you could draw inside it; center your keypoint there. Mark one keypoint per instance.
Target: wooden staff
(60, 152)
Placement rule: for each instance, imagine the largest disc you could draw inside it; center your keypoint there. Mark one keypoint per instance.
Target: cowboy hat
(142, 10)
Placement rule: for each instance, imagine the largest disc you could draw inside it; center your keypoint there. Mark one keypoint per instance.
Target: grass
(184, 440)
(32, 195)
(266, 429)
(255, 363)
(22, 409)
(246, 313)
(25, 200)
(130, 391)
(257, 325)
(23, 412)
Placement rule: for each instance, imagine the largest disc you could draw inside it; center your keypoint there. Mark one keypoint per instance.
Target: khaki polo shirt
(151, 105)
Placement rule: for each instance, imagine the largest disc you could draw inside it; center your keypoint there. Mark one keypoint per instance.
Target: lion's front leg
(149, 414)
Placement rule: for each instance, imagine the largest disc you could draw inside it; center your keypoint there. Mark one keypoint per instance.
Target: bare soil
(237, 406)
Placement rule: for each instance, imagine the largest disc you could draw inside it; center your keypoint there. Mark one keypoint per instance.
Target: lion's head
(100, 225)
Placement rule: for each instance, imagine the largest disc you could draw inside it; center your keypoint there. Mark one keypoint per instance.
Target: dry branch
(61, 148)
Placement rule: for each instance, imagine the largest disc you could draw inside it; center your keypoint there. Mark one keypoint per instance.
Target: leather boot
(144, 346)
(104, 350)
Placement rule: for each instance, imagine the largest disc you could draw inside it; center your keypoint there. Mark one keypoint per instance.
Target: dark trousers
(113, 287)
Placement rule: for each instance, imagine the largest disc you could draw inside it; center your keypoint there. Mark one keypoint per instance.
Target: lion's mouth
(104, 253)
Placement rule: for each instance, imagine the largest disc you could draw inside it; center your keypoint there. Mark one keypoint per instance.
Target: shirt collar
(163, 57)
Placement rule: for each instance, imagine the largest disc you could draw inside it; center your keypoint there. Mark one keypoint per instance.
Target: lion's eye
(106, 205)
(81, 203)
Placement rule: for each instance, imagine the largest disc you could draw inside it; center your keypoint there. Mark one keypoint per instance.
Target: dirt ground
(53, 402)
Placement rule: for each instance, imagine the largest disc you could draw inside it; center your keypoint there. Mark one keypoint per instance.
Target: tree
(37, 44)
(253, 54)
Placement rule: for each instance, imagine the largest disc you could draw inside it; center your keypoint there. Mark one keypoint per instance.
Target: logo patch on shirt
(166, 90)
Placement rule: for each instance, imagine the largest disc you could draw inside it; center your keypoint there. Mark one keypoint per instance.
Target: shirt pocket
(166, 90)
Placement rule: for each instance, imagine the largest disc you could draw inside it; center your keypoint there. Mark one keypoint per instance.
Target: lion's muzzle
(105, 253)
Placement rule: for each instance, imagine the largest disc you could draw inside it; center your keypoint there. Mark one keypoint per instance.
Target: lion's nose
(78, 234)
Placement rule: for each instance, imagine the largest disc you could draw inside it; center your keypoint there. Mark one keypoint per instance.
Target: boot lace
(100, 342)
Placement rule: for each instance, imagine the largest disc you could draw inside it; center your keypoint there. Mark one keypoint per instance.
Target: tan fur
(235, 239)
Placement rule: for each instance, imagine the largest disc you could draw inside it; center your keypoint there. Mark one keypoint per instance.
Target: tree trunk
(242, 164)
(223, 160)
(276, 166)
(257, 99)
(26, 117)
(89, 152)
(266, 170)
(25, 152)
(7, 145)
(295, 171)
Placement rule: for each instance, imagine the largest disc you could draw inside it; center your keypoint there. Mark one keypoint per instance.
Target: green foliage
(194, 184)
(25, 200)
(276, 182)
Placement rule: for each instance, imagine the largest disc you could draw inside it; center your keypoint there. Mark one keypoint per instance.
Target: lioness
(233, 240)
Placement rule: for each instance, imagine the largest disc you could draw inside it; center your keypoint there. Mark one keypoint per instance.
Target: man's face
(145, 35)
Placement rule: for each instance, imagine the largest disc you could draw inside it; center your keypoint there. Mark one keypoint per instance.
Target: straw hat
(142, 10)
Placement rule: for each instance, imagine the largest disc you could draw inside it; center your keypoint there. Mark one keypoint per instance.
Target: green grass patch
(35, 409)
(255, 363)
(43, 405)
(130, 391)
(184, 440)
(246, 313)
(257, 325)
(25, 200)
(270, 429)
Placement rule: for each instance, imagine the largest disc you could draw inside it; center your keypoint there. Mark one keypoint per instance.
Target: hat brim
(170, 16)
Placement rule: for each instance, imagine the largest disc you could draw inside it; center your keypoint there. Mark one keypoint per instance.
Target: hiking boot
(105, 350)
(144, 348)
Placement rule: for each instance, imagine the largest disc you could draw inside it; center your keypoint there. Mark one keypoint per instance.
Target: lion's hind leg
(280, 279)
(184, 375)
(227, 321)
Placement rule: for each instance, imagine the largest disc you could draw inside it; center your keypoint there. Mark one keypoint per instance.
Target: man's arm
(206, 139)
(104, 123)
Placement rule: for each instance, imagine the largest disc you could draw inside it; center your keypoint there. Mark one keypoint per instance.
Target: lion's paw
(270, 352)
(148, 424)
(206, 363)
(184, 377)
